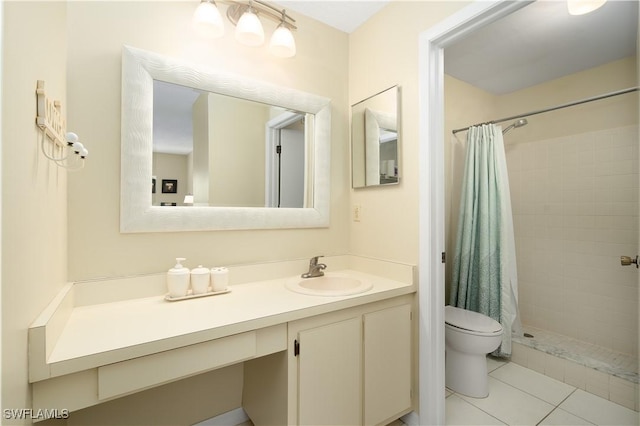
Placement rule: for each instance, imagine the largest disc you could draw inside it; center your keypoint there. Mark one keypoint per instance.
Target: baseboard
(233, 417)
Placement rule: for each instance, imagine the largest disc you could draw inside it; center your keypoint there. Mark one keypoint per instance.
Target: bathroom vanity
(308, 359)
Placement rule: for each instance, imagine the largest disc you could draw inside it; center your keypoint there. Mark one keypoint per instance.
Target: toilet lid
(469, 320)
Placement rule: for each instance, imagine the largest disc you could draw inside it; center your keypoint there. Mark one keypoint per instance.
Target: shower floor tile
(621, 365)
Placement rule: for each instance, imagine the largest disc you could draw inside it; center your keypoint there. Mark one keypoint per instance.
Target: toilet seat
(471, 322)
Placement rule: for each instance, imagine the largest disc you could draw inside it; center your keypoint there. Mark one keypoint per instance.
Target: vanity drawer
(153, 370)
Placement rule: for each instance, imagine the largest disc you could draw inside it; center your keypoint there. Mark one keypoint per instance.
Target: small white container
(219, 279)
(178, 279)
(200, 278)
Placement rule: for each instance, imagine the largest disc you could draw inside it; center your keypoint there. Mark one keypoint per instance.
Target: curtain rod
(528, 114)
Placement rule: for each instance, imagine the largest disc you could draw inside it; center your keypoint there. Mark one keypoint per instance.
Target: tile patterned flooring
(520, 396)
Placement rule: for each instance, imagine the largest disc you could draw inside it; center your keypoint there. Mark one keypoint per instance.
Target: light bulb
(207, 20)
(249, 29)
(282, 43)
(581, 7)
(71, 138)
(77, 147)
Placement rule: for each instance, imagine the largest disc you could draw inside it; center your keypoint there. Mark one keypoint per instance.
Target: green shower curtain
(484, 266)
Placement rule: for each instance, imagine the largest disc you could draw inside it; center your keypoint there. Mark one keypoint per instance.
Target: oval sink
(329, 285)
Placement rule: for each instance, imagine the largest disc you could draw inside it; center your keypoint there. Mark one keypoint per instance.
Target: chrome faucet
(315, 268)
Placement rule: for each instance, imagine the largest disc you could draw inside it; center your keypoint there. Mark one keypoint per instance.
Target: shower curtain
(484, 266)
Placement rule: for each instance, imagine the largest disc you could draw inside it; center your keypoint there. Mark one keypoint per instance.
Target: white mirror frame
(139, 69)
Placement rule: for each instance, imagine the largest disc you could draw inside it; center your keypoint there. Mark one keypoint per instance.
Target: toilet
(469, 337)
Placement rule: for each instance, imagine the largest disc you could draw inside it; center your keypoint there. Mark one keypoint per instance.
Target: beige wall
(612, 112)
(384, 52)
(199, 158)
(237, 153)
(94, 72)
(34, 192)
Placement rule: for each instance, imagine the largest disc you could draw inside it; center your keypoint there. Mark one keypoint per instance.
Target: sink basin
(331, 284)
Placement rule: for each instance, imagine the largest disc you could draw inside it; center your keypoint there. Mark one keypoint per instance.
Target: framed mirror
(230, 177)
(375, 140)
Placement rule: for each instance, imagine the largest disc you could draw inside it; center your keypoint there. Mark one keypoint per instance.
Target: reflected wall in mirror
(241, 190)
(229, 152)
(375, 142)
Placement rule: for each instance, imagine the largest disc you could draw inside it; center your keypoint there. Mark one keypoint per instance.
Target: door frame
(273, 127)
(431, 297)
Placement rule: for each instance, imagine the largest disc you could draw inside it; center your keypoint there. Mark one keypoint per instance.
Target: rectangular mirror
(238, 174)
(375, 140)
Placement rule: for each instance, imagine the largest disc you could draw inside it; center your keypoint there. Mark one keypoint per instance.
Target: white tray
(195, 296)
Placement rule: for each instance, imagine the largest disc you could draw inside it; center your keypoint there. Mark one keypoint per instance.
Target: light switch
(357, 212)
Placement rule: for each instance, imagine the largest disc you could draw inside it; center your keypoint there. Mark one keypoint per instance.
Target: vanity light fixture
(65, 149)
(249, 29)
(282, 43)
(582, 7)
(245, 15)
(207, 20)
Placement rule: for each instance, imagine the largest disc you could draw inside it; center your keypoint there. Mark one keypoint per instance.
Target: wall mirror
(243, 155)
(375, 140)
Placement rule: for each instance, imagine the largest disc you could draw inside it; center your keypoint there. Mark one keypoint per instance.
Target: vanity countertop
(99, 334)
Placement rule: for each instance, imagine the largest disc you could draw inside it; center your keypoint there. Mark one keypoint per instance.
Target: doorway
(285, 168)
(431, 295)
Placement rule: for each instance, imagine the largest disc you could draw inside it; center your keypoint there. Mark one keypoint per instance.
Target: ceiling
(537, 43)
(343, 15)
(542, 42)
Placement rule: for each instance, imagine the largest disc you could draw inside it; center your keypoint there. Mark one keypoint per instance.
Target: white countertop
(104, 333)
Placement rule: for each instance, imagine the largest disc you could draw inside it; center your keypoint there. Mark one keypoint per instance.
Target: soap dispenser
(178, 279)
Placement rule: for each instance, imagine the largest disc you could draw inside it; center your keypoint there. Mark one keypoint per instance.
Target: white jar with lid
(219, 279)
(178, 279)
(200, 280)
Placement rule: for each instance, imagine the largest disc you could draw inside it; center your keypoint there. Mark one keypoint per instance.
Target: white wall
(34, 190)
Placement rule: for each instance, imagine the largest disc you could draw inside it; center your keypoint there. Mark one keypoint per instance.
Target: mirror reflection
(374, 140)
(216, 150)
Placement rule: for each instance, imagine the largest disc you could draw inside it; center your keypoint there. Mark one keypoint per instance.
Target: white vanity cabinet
(352, 366)
(387, 363)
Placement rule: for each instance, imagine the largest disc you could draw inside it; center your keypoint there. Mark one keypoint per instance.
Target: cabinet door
(329, 374)
(387, 363)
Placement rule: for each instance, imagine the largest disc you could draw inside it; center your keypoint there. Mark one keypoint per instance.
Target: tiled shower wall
(575, 208)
